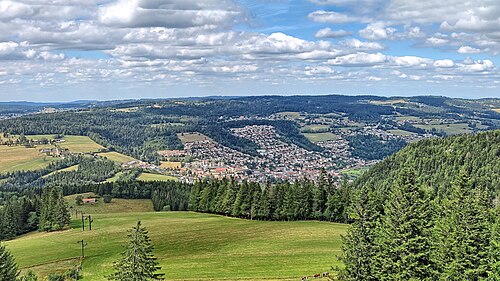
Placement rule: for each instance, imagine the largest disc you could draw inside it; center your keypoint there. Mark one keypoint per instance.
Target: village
(276, 160)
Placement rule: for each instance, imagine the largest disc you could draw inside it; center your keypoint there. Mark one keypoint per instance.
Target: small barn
(89, 200)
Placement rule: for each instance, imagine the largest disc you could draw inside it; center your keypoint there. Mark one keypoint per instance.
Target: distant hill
(436, 163)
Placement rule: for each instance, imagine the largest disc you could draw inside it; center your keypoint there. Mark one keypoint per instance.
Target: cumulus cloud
(359, 59)
(329, 33)
(168, 13)
(468, 50)
(331, 17)
(377, 31)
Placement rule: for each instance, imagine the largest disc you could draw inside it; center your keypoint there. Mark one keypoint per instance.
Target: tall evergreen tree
(404, 235)
(463, 233)
(137, 262)
(8, 266)
(494, 250)
(359, 248)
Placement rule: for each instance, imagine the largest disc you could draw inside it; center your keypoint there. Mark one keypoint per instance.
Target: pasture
(69, 169)
(190, 246)
(117, 157)
(191, 137)
(80, 144)
(319, 137)
(170, 165)
(449, 129)
(155, 177)
(20, 158)
(315, 128)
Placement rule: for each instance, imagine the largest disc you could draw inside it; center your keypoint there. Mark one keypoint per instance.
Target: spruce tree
(404, 235)
(8, 266)
(137, 262)
(463, 233)
(494, 250)
(359, 249)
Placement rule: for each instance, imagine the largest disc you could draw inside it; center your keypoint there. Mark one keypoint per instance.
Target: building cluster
(276, 159)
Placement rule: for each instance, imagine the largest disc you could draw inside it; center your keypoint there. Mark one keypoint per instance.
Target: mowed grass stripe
(193, 246)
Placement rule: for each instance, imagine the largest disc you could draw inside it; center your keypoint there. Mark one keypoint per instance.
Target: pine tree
(137, 262)
(8, 267)
(404, 235)
(494, 250)
(359, 249)
(463, 233)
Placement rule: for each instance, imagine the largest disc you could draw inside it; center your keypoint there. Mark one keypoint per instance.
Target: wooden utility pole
(83, 222)
(83, 247)
(90, 222)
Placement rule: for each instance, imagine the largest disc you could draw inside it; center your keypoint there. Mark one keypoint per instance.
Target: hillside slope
(437, 162)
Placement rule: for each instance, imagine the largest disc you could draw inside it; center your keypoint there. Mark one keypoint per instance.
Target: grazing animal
(305, 278)
(326, 274)
(317, 275)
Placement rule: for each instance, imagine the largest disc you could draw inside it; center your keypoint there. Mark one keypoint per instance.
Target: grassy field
(80, 144)
(117, 157)
(190, 246)
(192, 137)
(115, 177)
(449, 129)
(116, 206)
(69, 169)
(402, 133)
(315, 128)
(318, 137)
(155, 177)
(170, 165)
(17, 158)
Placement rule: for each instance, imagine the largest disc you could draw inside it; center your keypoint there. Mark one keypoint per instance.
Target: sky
(63, 50)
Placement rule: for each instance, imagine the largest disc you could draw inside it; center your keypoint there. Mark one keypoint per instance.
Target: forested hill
(437, 162)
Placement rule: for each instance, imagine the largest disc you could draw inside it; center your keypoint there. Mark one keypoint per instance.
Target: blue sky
(61, 50)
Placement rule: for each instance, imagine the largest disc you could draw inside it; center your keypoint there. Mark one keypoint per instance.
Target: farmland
(20, 158)
(319, 137)
(17, 158)
(117, 157)
(155, 177)
(189, 246)
(192, 137)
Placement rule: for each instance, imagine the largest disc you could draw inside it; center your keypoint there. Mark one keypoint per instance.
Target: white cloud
(468, 50)
(476, 66)
(329, 33)
(169, 13)
(331, 17)
(359, 59)
(377, 31)
(362, 46)
(444, 63)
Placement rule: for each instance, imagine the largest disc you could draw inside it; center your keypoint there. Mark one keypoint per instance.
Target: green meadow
(189, 246)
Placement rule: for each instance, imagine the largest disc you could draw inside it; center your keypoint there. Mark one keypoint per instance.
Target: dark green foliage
(8, 266)
(438, 225)
(106, 198)
(18, 216)
(137, 262)
(404, 234)
(29, 276)
(370, 147)
(54, 213)
(79, 200)
(463, 233)
(56, 277)
(494, 249)
(359, 247)
(437, 162)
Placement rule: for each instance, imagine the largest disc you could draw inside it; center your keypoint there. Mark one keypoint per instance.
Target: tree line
(22, 214)
(414, 236)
